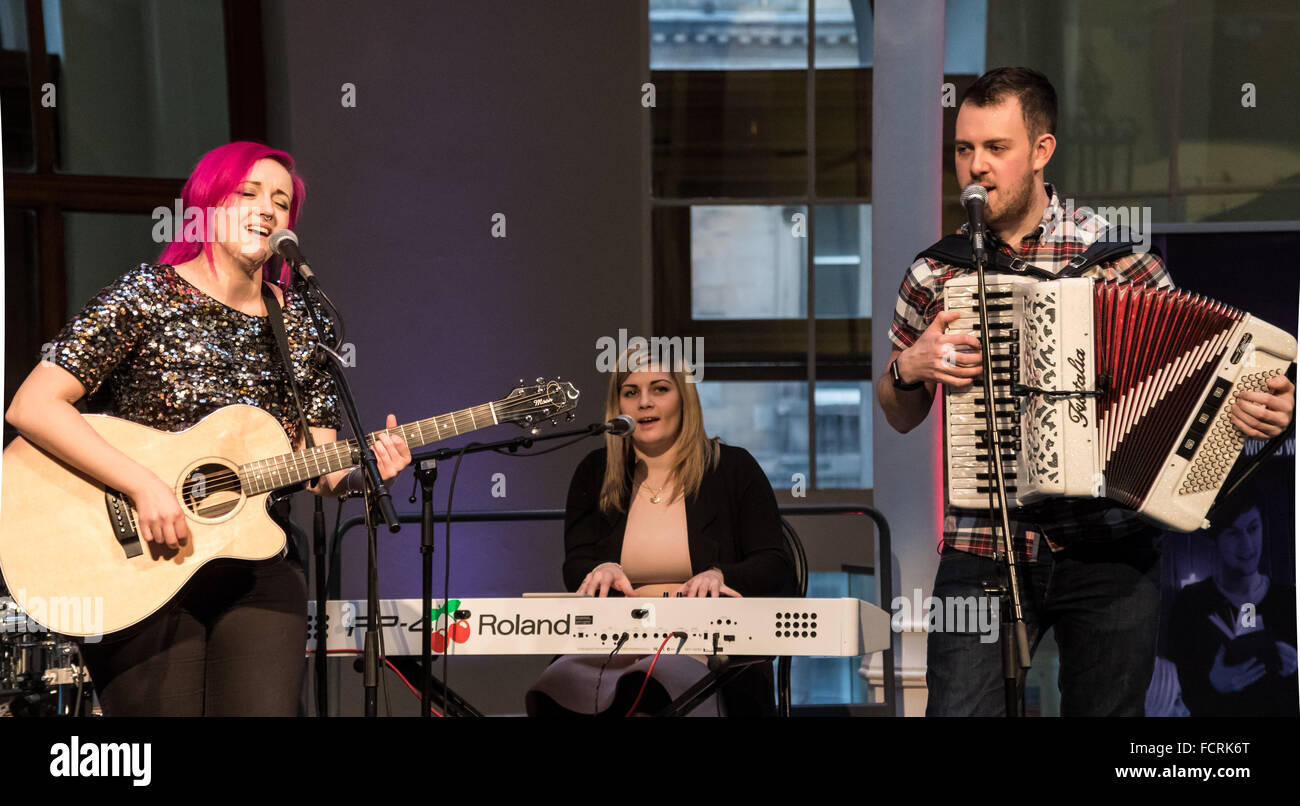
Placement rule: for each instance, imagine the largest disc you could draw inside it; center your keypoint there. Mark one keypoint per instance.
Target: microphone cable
(446, 581)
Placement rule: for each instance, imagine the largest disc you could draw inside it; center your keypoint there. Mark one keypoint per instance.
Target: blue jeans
(1101, 597)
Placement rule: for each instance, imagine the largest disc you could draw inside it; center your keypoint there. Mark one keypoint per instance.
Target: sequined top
(167, 355)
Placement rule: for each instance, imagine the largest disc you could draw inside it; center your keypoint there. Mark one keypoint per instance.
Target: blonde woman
(665, 512)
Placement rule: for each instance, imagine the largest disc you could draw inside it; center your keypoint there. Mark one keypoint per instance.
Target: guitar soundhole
(211, 490)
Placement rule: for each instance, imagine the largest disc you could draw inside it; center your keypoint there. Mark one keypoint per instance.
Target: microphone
(973, 198)
(620, 426)
(285, 244)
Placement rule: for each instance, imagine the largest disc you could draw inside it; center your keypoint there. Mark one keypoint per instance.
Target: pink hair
(214, 179)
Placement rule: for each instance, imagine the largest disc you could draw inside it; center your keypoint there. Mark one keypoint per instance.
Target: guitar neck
(288, 469)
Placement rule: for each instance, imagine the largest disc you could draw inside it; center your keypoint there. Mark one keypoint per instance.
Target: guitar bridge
(119, 515)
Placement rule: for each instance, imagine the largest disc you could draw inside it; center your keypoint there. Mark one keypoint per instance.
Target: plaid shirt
(1060, 236)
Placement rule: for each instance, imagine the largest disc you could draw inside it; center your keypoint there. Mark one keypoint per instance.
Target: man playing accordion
(1102, 561)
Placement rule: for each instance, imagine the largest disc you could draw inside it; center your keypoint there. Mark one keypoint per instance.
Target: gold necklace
(654, 494)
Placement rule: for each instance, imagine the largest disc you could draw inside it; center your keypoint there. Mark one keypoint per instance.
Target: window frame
(51, 194)
(806, 348)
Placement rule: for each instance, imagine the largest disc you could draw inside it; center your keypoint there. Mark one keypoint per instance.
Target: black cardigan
(732, 524)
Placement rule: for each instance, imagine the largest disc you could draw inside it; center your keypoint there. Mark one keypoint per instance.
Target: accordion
(1105, 389)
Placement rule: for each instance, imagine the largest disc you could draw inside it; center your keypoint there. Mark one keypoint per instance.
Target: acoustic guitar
(71, 553)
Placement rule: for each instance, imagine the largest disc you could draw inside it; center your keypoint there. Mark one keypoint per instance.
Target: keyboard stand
(722, 670)
(456, 704)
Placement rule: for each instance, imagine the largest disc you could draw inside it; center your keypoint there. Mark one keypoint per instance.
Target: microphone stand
(426, 465)
(378, 502)
(426, 472)
(1013, 637)
(320, 662)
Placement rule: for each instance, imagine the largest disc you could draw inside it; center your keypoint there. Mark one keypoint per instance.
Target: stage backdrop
(1223, 654)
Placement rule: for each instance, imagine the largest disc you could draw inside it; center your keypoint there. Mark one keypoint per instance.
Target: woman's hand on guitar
(158, 512)
(391, 452)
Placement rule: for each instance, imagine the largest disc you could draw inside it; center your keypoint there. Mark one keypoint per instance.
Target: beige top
(655, 555)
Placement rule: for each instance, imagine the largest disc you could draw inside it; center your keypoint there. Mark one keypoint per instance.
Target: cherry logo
(459, 634)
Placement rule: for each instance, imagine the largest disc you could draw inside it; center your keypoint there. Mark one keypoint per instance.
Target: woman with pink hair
(165, 345)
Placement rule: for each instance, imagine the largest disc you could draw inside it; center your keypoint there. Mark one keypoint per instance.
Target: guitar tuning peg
(554, 422)
(521, 381)
(541, 380)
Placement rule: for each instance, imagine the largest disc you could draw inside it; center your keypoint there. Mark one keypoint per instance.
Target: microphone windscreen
(971, 192)
(279, 237)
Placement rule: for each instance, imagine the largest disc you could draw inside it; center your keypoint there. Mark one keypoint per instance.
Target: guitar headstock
(529, 406)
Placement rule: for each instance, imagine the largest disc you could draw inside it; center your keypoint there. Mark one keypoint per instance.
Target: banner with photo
(1228, 615)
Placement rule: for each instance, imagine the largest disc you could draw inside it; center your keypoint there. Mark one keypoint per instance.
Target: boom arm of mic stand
(383, 499)
(515, 443)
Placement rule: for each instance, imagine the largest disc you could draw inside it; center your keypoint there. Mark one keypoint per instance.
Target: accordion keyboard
(967, 455)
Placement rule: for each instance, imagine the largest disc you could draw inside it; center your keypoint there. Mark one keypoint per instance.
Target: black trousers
(231, 644)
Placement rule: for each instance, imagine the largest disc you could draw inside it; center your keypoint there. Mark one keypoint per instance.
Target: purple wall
(463, 111)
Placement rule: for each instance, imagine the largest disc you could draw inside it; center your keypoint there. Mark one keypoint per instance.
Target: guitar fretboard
(288, 469)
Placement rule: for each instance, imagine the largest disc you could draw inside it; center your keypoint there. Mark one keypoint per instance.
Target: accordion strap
(1115, 242)
(955, 250)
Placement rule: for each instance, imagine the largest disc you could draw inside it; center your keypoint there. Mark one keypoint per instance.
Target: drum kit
(41, 673)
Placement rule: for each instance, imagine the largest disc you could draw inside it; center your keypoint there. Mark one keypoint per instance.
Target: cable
(413, 689)
(516, 454)
(335, 325)
(446, 578)
(387, 663)
(375, 621)
(595, 709)
(649, 672)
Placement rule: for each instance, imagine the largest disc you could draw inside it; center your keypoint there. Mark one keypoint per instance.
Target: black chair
(719, 678)
(794, 546)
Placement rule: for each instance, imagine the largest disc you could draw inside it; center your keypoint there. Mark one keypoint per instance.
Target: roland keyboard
(577, 626)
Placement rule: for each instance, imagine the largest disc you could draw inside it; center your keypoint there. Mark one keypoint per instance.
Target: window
(761, 169)
(761, 235)
(107, 106)
(1188, 108)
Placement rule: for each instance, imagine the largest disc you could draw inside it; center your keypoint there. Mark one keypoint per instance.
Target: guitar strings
(228, 480)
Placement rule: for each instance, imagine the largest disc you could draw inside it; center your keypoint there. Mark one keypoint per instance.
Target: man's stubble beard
(1017, 207)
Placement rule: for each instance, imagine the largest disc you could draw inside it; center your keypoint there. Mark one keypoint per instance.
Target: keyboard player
(667, 511)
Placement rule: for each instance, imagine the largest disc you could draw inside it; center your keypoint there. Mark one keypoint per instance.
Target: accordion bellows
(1106, 388)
